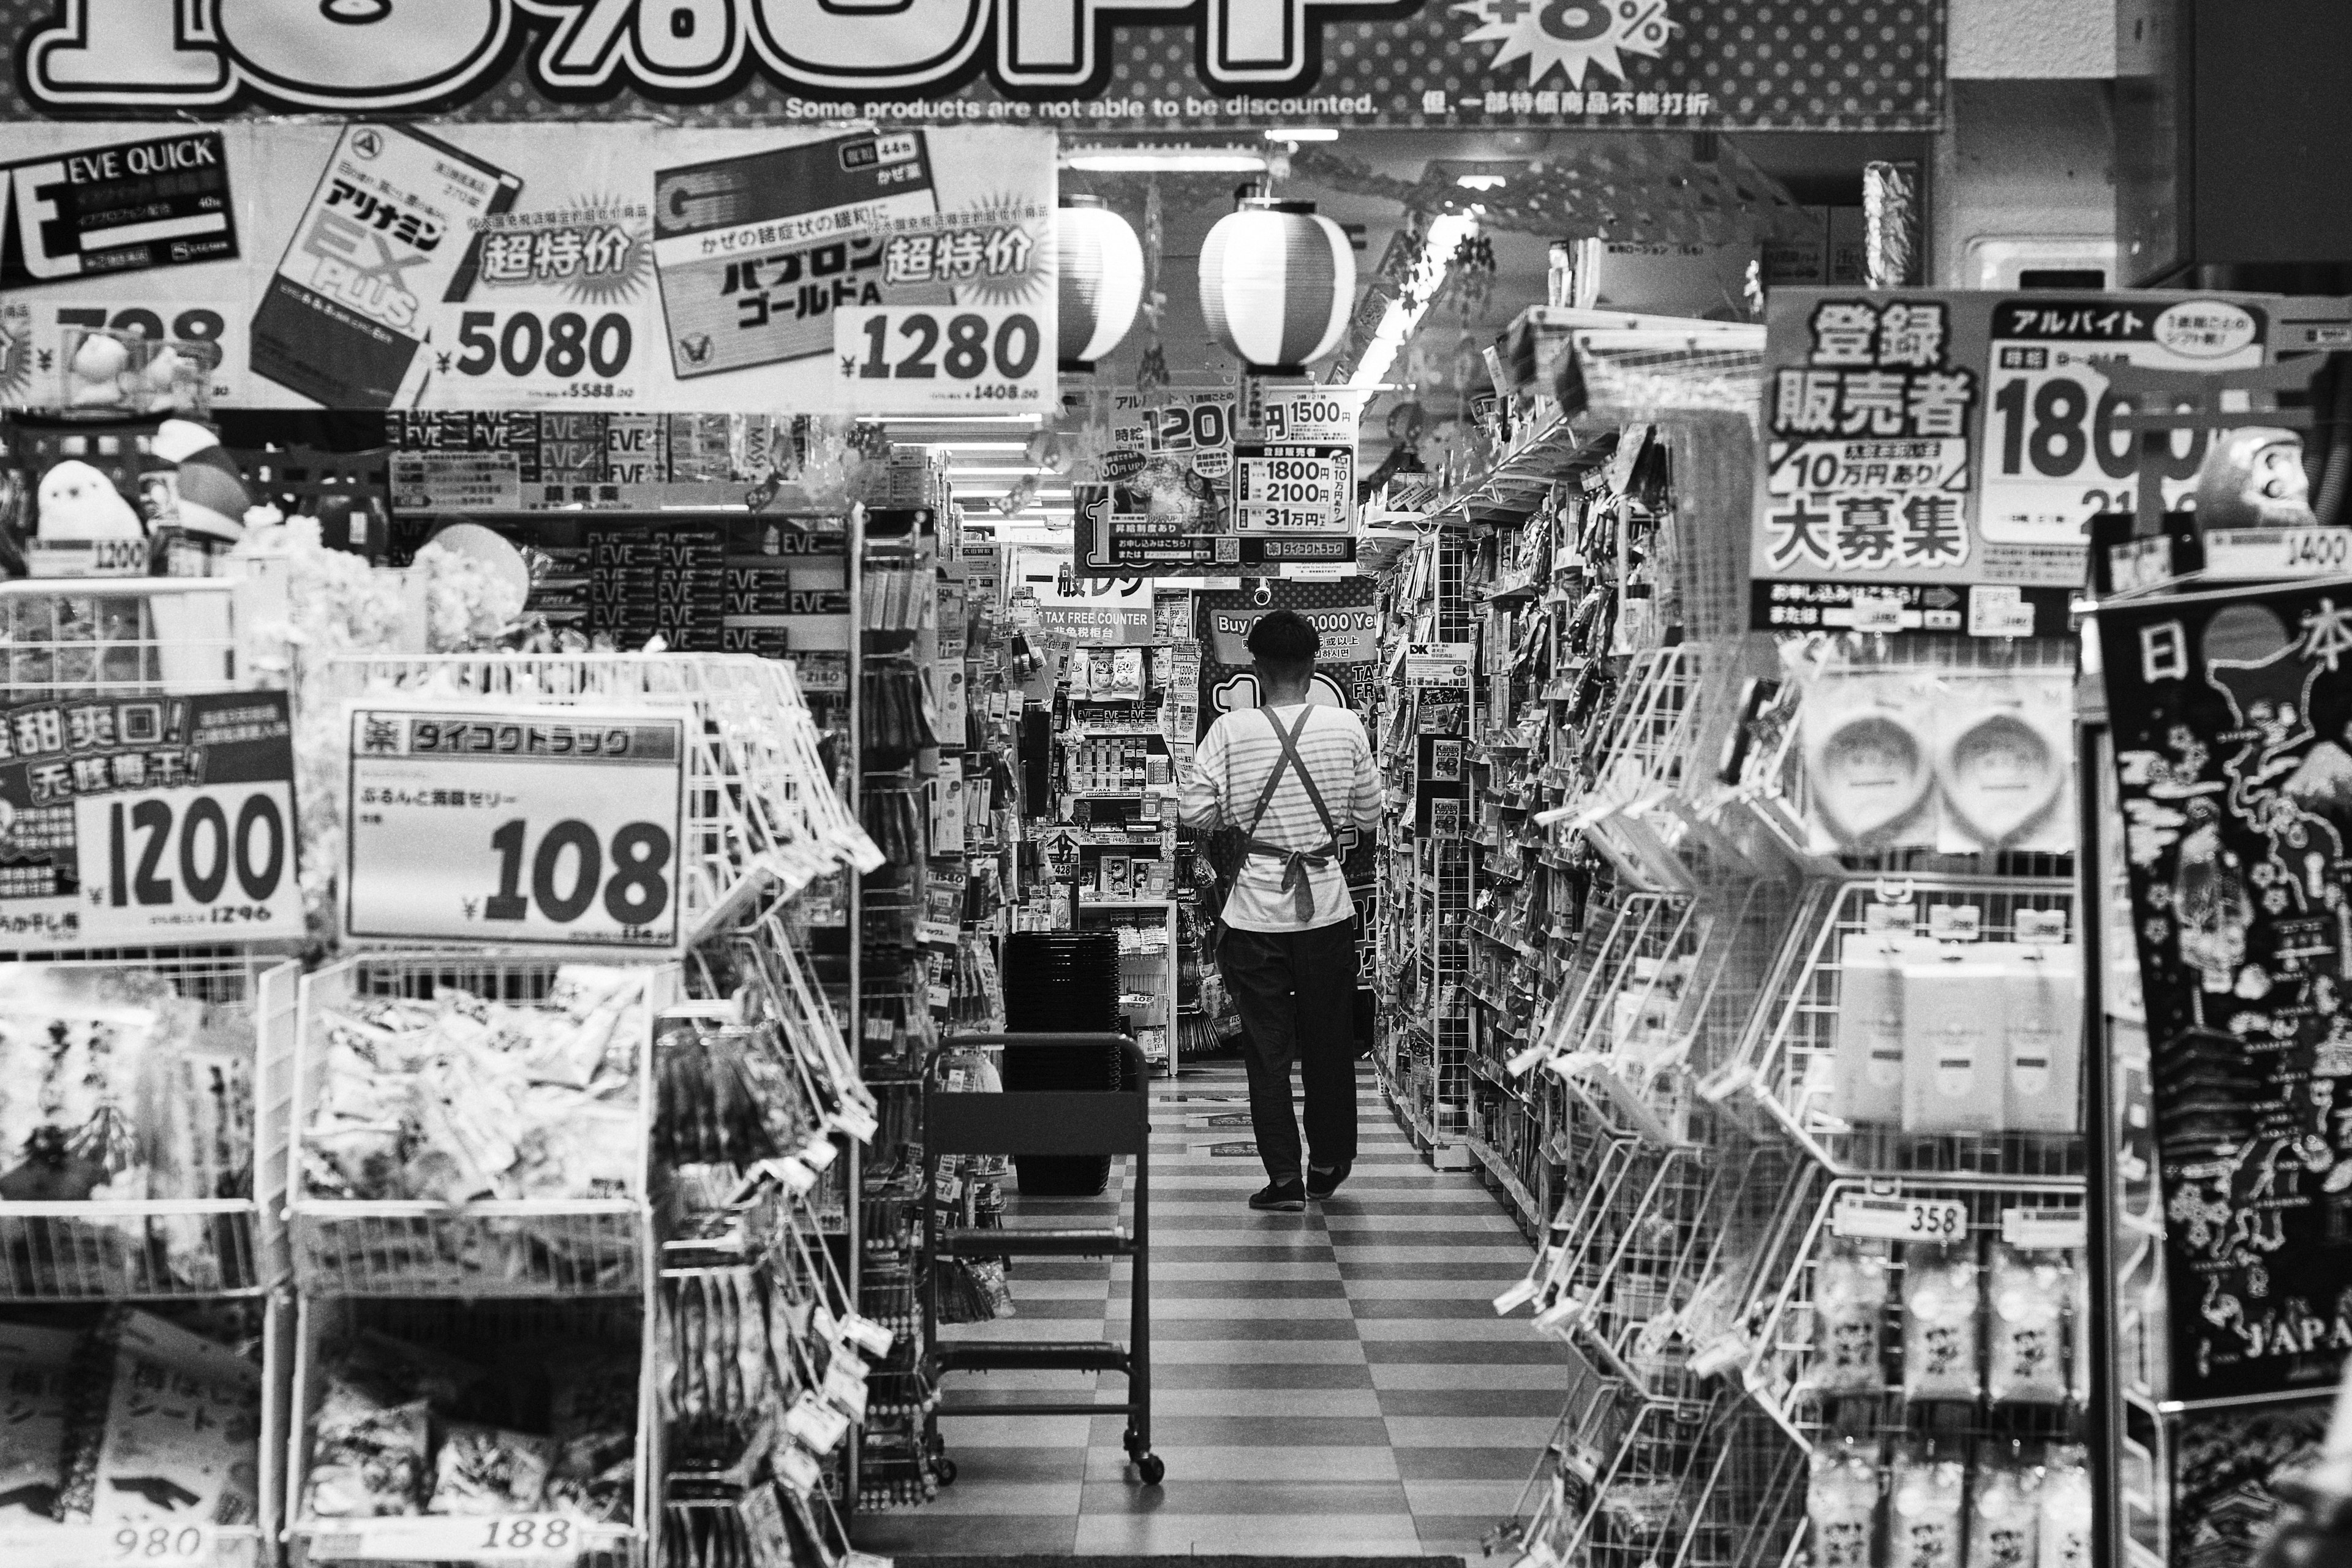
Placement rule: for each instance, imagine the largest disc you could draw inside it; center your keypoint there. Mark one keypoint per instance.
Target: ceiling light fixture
(1165, 161)
(1447, 233)
(1481, 182)
(1301, 134)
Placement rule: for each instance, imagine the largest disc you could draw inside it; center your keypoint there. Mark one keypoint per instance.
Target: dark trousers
(1296, 992)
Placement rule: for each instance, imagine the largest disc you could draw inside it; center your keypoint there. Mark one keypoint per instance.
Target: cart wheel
(947, 1472)
(1152, 1469)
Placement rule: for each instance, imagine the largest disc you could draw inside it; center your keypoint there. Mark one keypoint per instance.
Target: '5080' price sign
(911, 359)
(515, 826)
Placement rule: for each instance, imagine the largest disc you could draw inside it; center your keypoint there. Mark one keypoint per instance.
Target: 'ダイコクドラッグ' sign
(1825, 64)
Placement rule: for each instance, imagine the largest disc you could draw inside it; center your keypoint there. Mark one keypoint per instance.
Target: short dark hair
(1285, 639)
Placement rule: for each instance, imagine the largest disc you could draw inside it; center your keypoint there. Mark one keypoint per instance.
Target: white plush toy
(79, 505)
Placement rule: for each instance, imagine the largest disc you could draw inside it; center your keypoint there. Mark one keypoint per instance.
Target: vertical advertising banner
(2231, 715)
(607, 269)
(1931, 459)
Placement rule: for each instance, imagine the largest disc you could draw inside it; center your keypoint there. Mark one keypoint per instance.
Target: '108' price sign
(556, 827)
(907, 359)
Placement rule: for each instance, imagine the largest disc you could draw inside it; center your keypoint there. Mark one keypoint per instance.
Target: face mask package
(2065, 1508)
(2029, 1293)
(1941, 1313)
(1842, 1505)
(1867, 1059)
(1952, 1042)
(1850, 1296)
(2005, 1513)
(2003, 744)
(1924, 1510)
(36, 1367)
(1868, 774)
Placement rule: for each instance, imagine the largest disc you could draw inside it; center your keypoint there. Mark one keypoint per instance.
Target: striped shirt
(1230, 768)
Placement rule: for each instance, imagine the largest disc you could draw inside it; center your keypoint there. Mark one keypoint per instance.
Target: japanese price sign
(127, 822)
(946, 358)
(1931, 459)
(2053, 457)
(1294, 487)
(583, 267)
(515, 826)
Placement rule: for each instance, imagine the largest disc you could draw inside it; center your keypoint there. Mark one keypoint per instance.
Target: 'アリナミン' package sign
(611, 269)
(1931, 460)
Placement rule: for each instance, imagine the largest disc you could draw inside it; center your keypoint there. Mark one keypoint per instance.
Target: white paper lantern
(1277, 284)
(1102, 279)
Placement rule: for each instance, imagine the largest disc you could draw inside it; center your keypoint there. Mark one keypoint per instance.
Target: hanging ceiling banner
(1830, 65)
(1931, 459)
(608, 267)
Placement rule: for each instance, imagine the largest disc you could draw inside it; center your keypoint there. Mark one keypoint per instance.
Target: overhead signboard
(622, 269)
(1931, 459)
(1610, 64)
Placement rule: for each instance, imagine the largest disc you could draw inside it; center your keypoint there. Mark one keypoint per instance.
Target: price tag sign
(131, 821)
(2045, 1230)
(2267, 554)
(153, 1545)
(2053, 455)
(912, 358)
(1900, 1219)
(1439, 663)
(501, 1538)
(1295, 487)
(524, 826)
(1319, 415)
(536, 354)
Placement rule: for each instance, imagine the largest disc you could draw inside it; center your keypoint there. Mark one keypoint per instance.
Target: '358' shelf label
(900, 359)
(511, 826)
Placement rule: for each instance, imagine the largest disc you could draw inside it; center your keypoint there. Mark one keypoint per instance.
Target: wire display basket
(186, 1542)
(525, 1340)
(228, 1242)
(1694, 1478)
(1786, 1066)
(1805, 1374)
(119, 637)
(575, 1247)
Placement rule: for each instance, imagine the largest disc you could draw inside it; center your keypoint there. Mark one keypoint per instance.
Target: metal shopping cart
(1058, 1122)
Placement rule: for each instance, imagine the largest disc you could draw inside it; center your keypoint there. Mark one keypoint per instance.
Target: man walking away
(1291, 776)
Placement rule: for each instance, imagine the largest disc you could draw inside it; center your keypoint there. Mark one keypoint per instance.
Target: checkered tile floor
(1331, 1382)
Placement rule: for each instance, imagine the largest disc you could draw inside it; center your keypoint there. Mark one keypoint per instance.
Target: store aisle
(1330, 1383)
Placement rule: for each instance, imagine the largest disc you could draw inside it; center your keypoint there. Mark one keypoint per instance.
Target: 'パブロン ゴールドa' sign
(1823, 64)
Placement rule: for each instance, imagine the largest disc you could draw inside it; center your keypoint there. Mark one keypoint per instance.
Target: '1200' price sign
(135, 820)
(554, 828)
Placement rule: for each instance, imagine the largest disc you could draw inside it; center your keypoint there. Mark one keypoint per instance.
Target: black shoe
(1279, 1196)
(1321, 1185)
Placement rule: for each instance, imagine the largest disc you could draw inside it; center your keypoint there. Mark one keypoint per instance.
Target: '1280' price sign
(549, 826)
(127, 821)
(907, 359)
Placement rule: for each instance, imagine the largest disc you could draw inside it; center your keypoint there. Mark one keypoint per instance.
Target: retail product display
(1745, 976)
(460, 1097)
